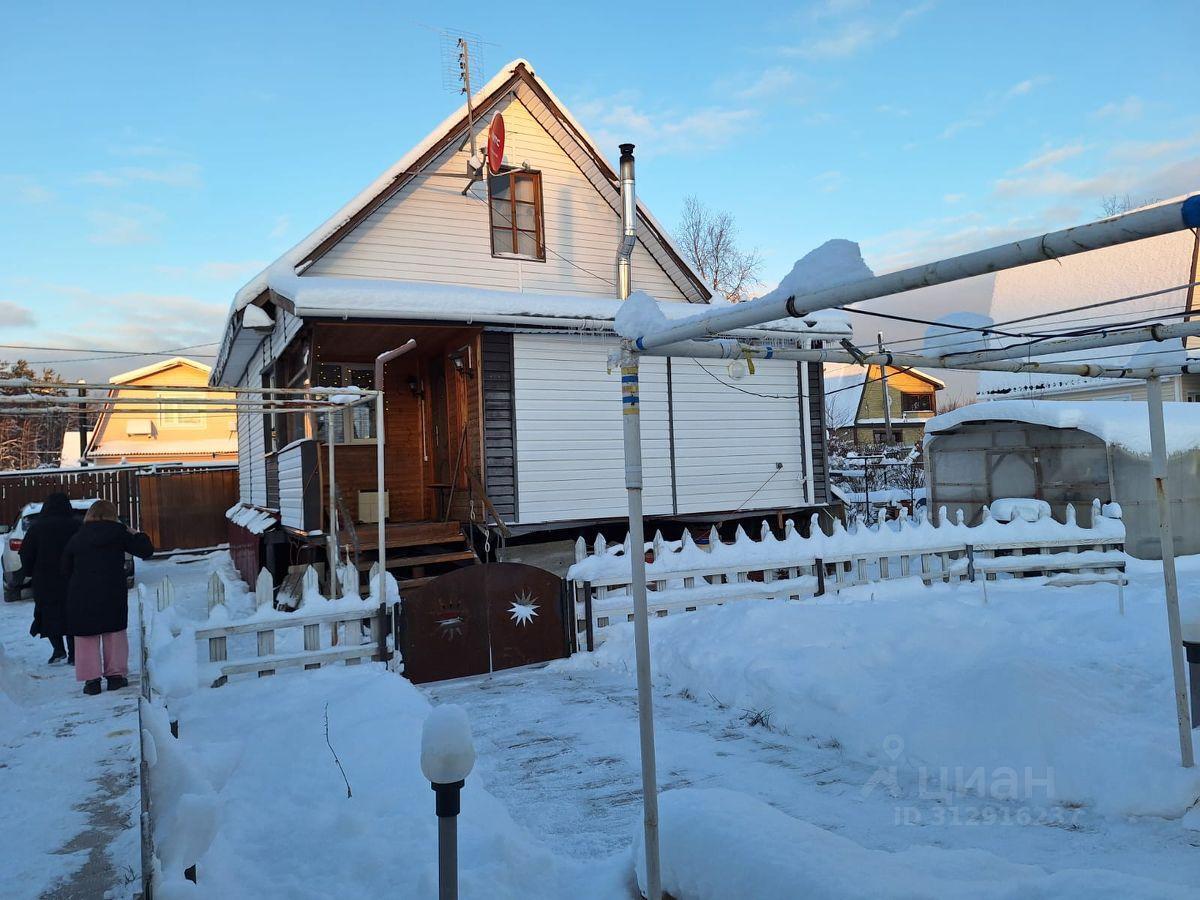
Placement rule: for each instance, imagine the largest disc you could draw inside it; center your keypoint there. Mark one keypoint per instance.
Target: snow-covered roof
(389, 297)
(30, 509)
(1122, 423)
(160, 366)
(206, 446)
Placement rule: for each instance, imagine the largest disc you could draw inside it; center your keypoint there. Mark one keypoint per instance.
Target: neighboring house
(165, 431)
(508, 407)
(1157, 271)
(857, 402)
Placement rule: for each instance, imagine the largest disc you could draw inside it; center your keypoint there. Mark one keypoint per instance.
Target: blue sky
(156, 155)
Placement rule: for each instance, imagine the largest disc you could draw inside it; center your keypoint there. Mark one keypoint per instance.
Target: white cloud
(953, 198)
(280, 228)
(771, 81)
(830, 181)
(131, 225)
(14, 315)
(888, 109)
(853, 32)
(991, 106)
(1051, 157)
(25, 190)
(1131, 107)
(618, 119)
(176, 175)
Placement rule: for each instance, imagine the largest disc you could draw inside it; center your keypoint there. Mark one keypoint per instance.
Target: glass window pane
(363, 423)
(527, 244)
(502, 241)
(501, 213)
(525, 192)
(526, 217)
(329, 375)
(339, 428)
(498, 186)
(362, 378)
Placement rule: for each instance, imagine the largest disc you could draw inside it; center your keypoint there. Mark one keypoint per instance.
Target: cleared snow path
(68, 774)
(559, 749)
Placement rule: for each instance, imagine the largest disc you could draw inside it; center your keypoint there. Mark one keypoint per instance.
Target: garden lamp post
(447, 756)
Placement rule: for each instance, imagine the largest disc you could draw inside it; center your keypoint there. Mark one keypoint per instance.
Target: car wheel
(11, 594)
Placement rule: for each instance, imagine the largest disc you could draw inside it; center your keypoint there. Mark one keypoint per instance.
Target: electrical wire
(111, 354)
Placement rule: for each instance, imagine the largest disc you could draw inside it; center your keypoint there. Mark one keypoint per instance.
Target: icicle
(264, 590)
(1071, 513)
(309, 589)
(349, 582)
(216, 592)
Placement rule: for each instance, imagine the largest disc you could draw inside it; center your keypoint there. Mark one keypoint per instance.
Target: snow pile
(903, 537)
(1118, 422)
(1008, 509)
(283, 825)
(835, 262)
(716, 844)
(171, 652)
(1042, 697)
(638, 315)
(253, 518)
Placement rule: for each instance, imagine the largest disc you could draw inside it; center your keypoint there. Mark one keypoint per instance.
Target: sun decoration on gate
(523, 609)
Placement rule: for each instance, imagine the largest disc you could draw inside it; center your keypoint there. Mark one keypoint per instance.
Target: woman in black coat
(41, 556)
(97, 599)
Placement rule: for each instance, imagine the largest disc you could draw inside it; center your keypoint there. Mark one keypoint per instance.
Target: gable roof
(844, 383)
(160, 366)
(517, 74)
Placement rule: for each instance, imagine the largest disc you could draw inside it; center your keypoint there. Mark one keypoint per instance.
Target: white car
(17, 582)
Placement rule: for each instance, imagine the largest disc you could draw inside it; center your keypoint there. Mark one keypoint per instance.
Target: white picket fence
(683, 576)
(317, 633)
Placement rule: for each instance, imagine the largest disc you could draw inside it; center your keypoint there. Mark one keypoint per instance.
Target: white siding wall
(243, 438)
(570, 463)
(252, 465)
(727, 442)
(430, 232)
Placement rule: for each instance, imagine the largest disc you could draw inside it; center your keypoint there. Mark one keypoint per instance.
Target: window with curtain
(515, 206)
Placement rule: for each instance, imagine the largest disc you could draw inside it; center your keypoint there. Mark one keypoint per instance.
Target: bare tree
(1116, 204)
(29, 441)
(709, 240)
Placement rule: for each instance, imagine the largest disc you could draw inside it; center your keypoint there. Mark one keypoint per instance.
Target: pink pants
(87, 655)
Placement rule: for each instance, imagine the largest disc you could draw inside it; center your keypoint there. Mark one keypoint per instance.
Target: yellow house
(163, 431)
(859, 415)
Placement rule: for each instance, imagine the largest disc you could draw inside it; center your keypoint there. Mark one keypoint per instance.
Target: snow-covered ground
(69, 794)
(900, 741)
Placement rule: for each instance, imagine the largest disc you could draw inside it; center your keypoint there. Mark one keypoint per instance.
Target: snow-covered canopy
(1121, 423)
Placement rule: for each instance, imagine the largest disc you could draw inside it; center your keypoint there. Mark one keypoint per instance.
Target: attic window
(515, 208)
(922, 402)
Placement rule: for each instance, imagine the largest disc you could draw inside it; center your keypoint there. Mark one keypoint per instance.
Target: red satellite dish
(495, 151)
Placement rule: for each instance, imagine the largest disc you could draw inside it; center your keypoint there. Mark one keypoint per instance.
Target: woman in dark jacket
(41, 556)
(97, 599)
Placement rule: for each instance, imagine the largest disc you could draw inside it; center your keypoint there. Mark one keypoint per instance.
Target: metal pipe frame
(1159, 220)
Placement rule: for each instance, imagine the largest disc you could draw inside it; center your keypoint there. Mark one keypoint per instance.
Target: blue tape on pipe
(1191, 211)
(638, 343)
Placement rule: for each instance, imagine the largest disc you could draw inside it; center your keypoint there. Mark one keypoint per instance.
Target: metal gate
(482, 619)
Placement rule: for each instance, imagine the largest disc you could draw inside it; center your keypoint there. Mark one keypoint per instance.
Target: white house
(508, 408)
(1157, 272)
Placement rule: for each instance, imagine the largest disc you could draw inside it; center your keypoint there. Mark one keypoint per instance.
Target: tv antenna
(462, 65)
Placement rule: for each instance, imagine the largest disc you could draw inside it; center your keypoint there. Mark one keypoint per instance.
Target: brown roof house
(855, 401)
(165, 431)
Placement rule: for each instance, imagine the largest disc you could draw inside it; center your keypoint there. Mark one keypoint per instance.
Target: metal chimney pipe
(628, 225)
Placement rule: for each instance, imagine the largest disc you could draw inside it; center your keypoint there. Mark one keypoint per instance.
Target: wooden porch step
(410, 534)
(396, 562)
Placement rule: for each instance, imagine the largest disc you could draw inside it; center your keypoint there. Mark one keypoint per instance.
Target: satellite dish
(495, 147)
